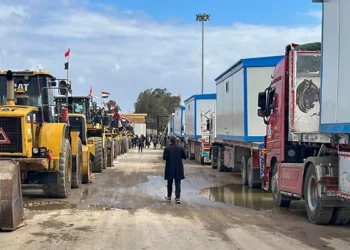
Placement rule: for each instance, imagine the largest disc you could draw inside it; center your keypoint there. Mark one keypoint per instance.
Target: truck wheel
(213, 157)
(244, 163)
(119, 147)
(77, 176)
(278, 198)
(115, 148)
(105, 153)
(196, 153)
(110, 157)
(86, 178)
(97, 163)
(221, 167)
(62, 188)
(250, 174)
(341, 216)
(317, 213)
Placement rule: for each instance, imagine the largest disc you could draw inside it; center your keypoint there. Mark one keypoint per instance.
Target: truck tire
(244, 163)
(316, 213)
(105, 152)
(77, 176)
(220, 161)
(279, 199)
(86, 177)
(214, 155)
(115, 148)
(341, 216)
(110, 152)
(119, 147)
(250, 175)
(97, 163)
(62, 188)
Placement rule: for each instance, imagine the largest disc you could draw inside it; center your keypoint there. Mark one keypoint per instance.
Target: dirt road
(125, 209)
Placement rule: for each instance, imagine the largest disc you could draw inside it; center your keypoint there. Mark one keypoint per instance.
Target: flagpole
(68, 70)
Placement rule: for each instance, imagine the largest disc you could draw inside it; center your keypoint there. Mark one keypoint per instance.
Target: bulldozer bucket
(11, 202)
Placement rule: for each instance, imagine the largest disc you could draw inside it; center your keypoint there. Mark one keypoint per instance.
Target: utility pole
(202, 18)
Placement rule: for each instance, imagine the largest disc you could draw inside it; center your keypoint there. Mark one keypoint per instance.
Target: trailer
(198, 109)
(306, 112)
(179, 122)
(171, 124)
(239, 132)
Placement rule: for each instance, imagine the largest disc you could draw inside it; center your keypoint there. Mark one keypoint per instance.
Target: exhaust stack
(10, 88)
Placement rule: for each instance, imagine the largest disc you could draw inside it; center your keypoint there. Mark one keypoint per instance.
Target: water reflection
(255, 199)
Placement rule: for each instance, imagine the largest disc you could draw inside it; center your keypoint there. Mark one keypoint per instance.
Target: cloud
(152, 54)
(314, 13)
(81, 79)
(117, 67)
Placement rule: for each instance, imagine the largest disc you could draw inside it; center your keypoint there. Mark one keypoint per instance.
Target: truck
(239, 132)
(198, 109)
(179, 123)
(307, 123)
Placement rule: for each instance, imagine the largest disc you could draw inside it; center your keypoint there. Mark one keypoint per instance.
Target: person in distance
(174, 168)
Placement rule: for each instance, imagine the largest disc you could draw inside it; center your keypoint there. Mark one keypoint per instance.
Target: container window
(227, 86)
(189, 107)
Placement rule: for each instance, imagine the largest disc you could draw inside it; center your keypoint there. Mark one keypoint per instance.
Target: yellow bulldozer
(90, 128)
(31, 136)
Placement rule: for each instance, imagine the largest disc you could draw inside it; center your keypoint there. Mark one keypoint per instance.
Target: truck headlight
(35, 150)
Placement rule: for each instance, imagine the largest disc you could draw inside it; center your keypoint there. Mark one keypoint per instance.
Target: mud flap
(11, 202)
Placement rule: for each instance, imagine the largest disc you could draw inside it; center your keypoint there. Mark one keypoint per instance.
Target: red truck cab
(299, 162)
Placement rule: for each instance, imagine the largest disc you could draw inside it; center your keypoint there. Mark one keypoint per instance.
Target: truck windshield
(34, 101)
(79, 107)
(307, 63)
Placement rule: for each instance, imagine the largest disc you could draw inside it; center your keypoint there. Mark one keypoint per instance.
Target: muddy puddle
(48, 205)
(245, 197)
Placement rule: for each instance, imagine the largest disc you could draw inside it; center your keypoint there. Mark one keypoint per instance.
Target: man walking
(174, 169)
(140, 144)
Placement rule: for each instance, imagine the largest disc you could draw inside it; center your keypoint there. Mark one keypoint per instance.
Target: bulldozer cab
(83, 105)
(79, 113)
(76, 105)
(33, 88)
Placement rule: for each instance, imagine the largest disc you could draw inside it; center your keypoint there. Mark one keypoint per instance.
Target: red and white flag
(90, 92)
(104, 104)
(112, 106)
(105, 94)
(67, 53)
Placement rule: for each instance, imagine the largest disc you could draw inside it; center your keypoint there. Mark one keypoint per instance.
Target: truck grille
(11, 128)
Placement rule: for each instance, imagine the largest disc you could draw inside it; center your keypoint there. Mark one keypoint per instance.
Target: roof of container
(267, 61)
(182, 107)
(203, 97)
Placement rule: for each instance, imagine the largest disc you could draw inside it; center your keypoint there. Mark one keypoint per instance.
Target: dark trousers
(177, 188)
(140, 147)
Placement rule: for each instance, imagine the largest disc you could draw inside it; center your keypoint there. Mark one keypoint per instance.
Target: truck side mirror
(208, 124)
(261, 113)
(182, 128)
(62, 85)
(171, 129)
(262, 100)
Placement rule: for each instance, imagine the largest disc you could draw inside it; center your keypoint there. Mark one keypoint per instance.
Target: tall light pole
(202, 18)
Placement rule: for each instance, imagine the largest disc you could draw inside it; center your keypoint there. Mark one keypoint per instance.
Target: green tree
(113, 104)
(156, 102)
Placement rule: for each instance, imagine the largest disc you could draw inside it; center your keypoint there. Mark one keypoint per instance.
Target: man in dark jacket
(174, 168)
